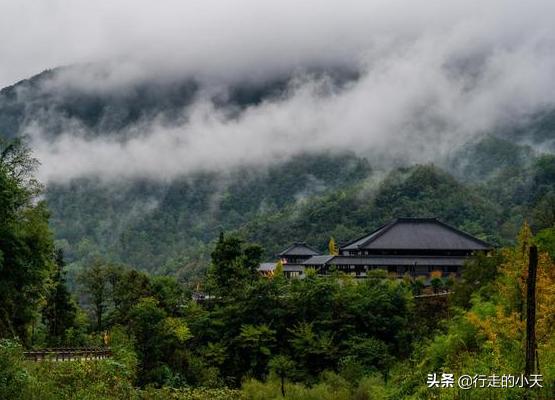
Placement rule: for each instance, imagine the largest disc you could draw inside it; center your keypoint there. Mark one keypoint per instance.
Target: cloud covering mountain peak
(431, 76)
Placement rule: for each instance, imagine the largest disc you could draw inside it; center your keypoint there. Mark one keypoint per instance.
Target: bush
(81, 380)
(191, 394)
(14, 377)
(332, 387)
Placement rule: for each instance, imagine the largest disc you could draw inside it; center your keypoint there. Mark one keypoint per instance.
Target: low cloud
(431, 79)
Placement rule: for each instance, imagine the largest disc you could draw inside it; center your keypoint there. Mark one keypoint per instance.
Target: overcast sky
(243, 36)
(431, 72)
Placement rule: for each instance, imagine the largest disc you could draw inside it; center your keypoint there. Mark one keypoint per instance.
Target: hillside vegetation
(260, 337)
(169, 228)
(489, 187)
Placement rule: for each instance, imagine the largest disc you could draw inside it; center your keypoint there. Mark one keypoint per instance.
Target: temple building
(414, 246)
(293, 259)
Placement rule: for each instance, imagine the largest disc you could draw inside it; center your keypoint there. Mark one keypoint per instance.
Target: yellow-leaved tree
(502, 322)
(278, 271)
(332, 247)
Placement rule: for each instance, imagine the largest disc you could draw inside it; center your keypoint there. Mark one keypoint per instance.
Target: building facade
(413, 246)
(292, 259)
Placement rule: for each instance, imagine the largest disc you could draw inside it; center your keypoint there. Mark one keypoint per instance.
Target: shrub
(14, 377)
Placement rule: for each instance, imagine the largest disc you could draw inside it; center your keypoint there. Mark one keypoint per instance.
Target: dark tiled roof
(268, 267)
(318, 260)
(418, 234)
(385, 260)
(299, 249)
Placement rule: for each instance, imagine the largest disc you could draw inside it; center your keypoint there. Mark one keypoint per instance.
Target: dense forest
(487, 189)
(271, 337)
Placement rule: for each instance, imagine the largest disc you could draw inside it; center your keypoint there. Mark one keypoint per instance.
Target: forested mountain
(170, 228)
(490, 209)
(488, 187)
(150, 224)
(75, 95)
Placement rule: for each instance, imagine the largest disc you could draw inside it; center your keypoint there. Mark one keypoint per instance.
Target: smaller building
(297, 253)
(292, 259)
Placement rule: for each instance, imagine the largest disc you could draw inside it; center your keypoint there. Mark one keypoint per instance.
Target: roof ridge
(420, 219)
(365, 240)
(286, 249)
(305, 244)
(362, 237)
(298, 244)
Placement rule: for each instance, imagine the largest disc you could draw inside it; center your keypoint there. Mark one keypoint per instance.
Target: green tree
(543, 214)
(314, 351)
(370, 353)
(146, 319)
(234, 263)
(418, 285)
(437, 284)
(26, 243)
(60, 310)
(478, 274)
(283, 367)
(255, 344)
(158, 338)
(545, 240)
(94, 281)
(126, 287)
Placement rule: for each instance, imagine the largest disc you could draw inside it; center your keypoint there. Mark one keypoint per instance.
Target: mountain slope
(420, 191)
(146, 223)
(88, 96)
(487, 187)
